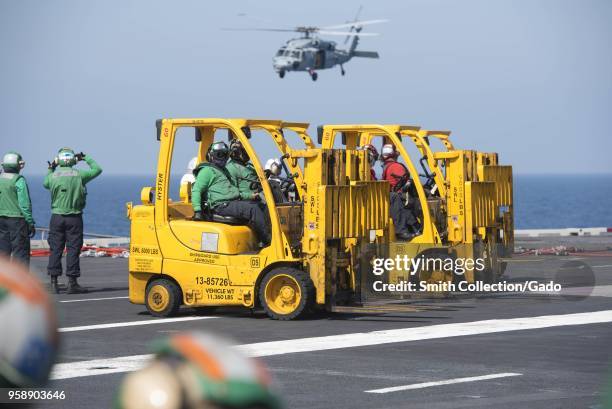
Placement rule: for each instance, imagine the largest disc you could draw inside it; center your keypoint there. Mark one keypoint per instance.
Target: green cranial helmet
(12, 161)
(218, 153)
(66, 157)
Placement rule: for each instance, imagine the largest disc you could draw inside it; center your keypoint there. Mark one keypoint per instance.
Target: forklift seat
(182, 210)
(217, 218)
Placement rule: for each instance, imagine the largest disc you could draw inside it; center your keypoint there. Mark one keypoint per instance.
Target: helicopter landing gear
(313, 75)
(342, 72)
(281, 74)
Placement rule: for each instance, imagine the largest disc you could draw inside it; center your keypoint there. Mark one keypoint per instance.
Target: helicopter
(310, 53)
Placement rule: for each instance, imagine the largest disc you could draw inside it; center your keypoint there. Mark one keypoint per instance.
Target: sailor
(242, 171)
(68, 194)
(187, 181)
(188, 176)
(402, 205)
(393, 171)
(216, 191)
(372, 158)
(29, 340)
(273, 170)
(16, 221)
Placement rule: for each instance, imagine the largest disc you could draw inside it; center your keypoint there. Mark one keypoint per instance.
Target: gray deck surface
(561, 366)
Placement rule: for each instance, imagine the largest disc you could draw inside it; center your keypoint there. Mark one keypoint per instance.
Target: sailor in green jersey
(215, 190)
(243, 171)
(16, 222)
(68, 193)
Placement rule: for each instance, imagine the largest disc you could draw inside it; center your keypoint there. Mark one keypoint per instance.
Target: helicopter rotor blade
(358, 12)
(355, 23)
(288, 30)
(347, 33)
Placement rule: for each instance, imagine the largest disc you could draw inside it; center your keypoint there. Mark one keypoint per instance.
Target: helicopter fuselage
(308, 54)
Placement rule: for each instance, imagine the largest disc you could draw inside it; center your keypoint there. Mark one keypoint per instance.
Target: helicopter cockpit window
(280, 52)
(295, 54)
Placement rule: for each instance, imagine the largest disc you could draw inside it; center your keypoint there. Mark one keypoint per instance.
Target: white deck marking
(290, 346)
(132, 323)
(95, 299)
(602, 266)
(596, 291)
(445, 382)
(99, 366)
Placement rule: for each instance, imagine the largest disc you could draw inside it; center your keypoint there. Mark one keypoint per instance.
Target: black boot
(74, 287)
(53, 286)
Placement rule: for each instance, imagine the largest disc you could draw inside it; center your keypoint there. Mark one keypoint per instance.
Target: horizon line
(514, 174)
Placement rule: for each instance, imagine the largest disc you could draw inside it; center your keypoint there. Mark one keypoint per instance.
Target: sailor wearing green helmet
(68, 192)
(242, 171)
(215, 191)
(16, 222)
(198, 371)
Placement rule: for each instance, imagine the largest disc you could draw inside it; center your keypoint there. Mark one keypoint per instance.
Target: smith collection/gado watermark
(464, 286)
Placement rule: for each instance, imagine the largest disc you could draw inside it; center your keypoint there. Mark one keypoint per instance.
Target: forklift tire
(286, 293)
(163, 297)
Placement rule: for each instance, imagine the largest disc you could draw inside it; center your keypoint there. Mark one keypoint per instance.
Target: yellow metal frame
(361, 134)
(470, 206)
(487, 168)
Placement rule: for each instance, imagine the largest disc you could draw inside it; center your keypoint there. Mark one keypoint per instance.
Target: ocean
(541, 201)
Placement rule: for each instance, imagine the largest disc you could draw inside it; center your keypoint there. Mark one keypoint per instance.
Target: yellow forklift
(323, 243)
(487, 169)
(465, 197)
(176, 261)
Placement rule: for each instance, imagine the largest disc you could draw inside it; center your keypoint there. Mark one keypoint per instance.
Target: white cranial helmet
(274, 166)
(192, 164)
(388, 151)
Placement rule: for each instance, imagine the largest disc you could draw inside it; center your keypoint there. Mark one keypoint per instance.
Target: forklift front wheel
(286, 293)
(163, 297)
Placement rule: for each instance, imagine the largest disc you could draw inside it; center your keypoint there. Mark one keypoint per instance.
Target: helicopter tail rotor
(355, 41)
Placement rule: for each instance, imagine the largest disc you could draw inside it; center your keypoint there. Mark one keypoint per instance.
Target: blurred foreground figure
(28, 328)
(197, 371)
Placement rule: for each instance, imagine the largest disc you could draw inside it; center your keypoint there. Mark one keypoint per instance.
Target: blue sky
(531, 80)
